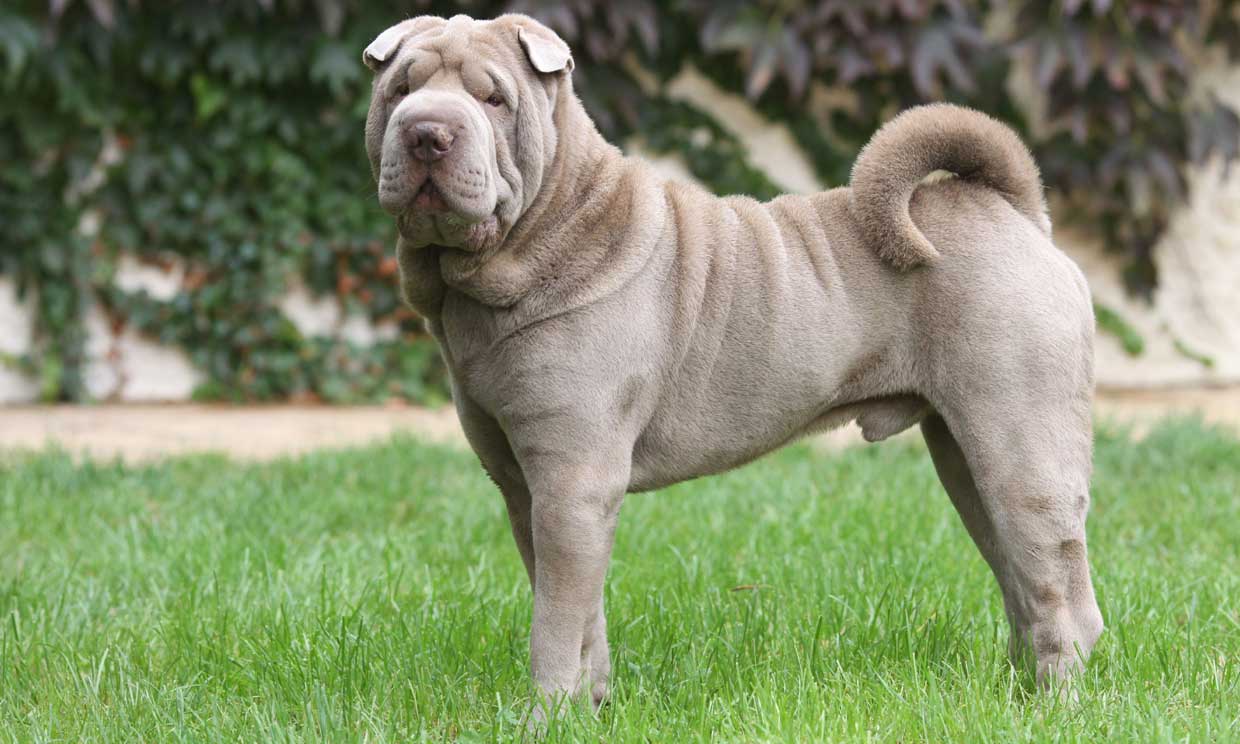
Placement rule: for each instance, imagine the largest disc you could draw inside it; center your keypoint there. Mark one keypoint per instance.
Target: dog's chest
(585, 363)
(472, 339)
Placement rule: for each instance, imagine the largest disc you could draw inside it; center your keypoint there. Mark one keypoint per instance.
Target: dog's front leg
(574, 511)
(491, 445)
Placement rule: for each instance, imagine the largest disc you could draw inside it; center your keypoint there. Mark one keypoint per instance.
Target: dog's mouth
(428, 198)
(430, 218)
(441, 209)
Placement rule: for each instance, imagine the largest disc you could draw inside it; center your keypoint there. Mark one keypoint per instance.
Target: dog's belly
(661, 458)
(664, 455)
(680, 443)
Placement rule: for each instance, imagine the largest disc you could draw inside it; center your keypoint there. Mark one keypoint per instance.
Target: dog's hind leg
(954, 473)
(1021, 485)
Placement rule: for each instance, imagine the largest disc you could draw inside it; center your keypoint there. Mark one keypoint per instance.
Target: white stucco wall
(16, 331)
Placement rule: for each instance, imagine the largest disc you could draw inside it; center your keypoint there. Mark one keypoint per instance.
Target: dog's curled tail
(930, 138)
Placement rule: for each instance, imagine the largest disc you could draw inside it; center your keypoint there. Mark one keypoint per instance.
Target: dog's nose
(429, 140)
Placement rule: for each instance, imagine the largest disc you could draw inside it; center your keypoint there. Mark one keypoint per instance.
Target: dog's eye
(495, 100)
(401, 91)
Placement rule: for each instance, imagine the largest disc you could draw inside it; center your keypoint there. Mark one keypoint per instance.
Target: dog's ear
(384, 47)
(546, 51)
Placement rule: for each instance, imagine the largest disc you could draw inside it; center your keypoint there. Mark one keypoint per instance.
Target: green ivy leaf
(336, 66)
(209, 98)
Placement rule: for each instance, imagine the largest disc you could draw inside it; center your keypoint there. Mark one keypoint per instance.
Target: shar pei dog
(608, 330)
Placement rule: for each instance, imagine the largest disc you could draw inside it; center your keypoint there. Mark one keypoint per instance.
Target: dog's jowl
(608, 330)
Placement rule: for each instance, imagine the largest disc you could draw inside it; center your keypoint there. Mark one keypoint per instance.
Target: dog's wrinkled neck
(538, 254)
(572, 171)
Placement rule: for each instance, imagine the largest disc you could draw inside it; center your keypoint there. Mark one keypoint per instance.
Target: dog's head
(461, 131)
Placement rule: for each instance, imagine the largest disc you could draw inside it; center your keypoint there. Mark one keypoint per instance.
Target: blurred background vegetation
(227, 136)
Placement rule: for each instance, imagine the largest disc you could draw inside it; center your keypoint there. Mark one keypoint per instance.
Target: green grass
(375, 595)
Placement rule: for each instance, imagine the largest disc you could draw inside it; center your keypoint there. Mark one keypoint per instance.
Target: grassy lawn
(375, 595)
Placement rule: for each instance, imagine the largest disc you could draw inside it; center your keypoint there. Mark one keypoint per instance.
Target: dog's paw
(535, 722)
(598, 694)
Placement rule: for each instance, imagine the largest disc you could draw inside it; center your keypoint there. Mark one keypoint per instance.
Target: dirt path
(140, 433)
(145, 432)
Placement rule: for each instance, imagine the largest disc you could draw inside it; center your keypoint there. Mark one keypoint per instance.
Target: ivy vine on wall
(226, 137)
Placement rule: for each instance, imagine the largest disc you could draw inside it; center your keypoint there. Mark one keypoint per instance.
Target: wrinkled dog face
(460, 130)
